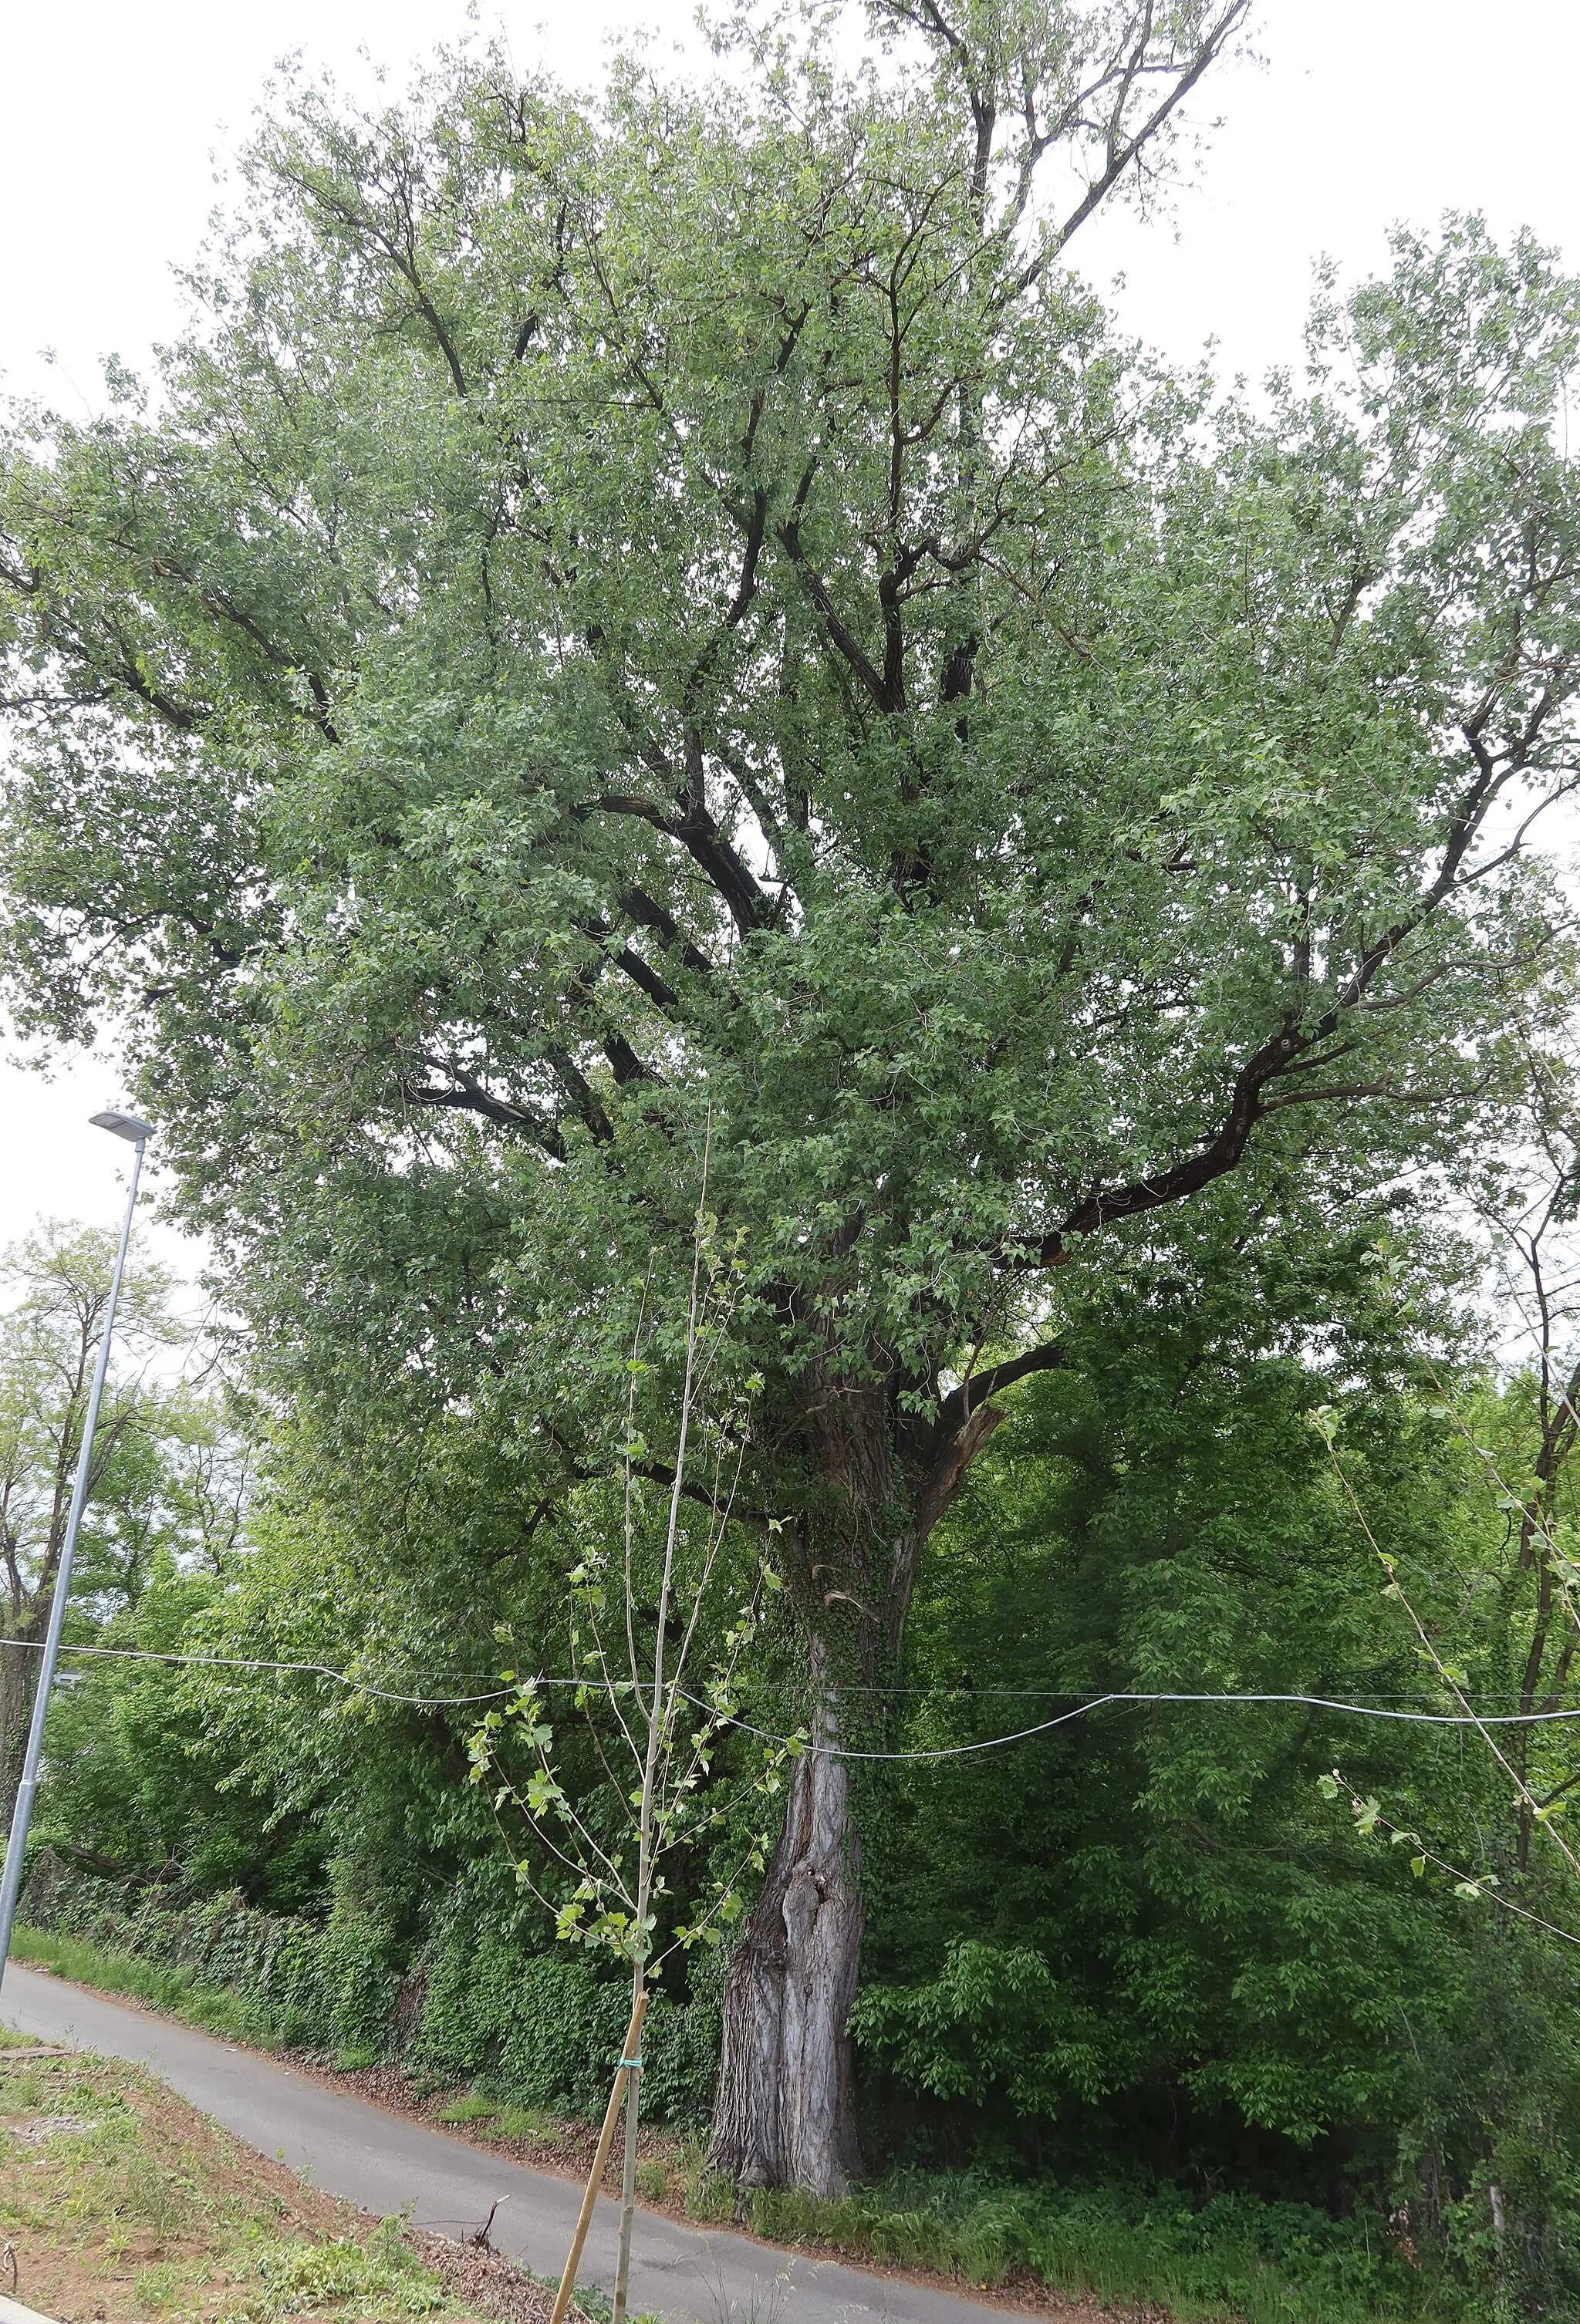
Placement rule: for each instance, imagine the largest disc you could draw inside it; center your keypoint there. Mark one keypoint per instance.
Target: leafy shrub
(544, 2029)
(357, 1983)
(175, 1991)
(1234, 2257)
(467, 2002)
(274, 1964)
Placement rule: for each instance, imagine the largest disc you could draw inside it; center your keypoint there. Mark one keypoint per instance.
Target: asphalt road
(387, 2163)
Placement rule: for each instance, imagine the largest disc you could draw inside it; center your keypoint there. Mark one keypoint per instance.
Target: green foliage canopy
(687, 594)
(165, 1480)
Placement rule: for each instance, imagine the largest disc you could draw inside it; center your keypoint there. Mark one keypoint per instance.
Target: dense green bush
(281, 1965)
(1261, 2263)
(542, 2029)
(136, 1777)
(1143, 1941)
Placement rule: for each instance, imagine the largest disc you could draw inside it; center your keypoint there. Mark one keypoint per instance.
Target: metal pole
(11, 1884)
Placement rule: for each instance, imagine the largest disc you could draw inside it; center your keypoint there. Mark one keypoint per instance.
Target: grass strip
(175, 1992)
(119, 2201)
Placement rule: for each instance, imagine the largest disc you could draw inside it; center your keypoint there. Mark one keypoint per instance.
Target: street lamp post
(127, 1126)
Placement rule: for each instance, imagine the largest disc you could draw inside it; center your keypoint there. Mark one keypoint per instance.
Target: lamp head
(124, 1125)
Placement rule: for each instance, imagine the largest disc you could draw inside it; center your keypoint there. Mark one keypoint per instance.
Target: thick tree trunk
(782, 2117)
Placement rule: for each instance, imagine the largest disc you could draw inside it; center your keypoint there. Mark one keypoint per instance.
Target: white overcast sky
(114, 118)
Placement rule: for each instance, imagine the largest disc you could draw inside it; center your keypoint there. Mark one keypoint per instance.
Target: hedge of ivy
(539, 2029)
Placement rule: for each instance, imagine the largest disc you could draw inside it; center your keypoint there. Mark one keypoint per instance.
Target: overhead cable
(1081, 1710)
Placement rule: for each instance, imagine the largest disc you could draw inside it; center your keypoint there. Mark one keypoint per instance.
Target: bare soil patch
(486, 2285)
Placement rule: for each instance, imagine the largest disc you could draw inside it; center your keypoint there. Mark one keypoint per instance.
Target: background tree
(1140, 1941)
(1529, 1196)
(679, 608)
(1139, 1932)
(143, 1491)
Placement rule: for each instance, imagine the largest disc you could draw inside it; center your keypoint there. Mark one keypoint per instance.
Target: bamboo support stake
(605, 2140)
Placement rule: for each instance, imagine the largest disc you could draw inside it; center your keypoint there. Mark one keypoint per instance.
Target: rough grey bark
(782, 2115)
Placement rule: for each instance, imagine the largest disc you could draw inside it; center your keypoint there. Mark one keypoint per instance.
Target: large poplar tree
(679, 608)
